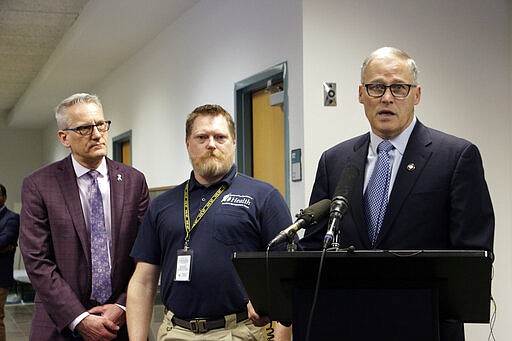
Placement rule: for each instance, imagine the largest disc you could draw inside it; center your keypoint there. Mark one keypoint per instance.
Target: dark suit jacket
(439, 200)
(443, 203)
(56, 245)
(9, 229)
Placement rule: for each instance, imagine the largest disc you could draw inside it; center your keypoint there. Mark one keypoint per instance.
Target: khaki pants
(3, 297)
(242, 331)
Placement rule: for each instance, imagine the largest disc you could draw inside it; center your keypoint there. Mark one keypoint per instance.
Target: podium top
(461, 278)
(482, 254)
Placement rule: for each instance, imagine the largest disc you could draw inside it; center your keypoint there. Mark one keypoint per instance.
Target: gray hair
(386, 52)
(61, 114)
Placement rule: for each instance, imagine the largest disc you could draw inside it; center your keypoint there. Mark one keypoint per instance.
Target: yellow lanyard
(202, 212)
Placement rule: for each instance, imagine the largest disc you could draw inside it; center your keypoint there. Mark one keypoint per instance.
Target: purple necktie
(376, 196)
(101, 286)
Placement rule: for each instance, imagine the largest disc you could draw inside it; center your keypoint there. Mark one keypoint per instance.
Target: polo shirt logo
(237, 200)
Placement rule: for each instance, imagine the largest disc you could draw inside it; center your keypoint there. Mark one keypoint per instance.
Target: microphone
(305, 218)
(340, 202)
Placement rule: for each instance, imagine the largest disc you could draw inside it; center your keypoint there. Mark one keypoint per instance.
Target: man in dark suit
(435, 195)
(75, 243)
(9, 229)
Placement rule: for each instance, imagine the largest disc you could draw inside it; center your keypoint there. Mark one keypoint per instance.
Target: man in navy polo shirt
(189, 235)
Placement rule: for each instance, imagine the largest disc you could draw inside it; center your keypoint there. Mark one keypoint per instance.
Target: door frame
(243, 118)
(117, 146)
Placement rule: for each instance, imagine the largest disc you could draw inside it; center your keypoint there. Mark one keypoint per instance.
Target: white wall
(20, 154)
(463, 51)
(52, 148)
(198, 60)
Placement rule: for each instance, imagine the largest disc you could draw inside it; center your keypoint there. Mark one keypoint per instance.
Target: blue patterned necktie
(376, 196)
(101, 285)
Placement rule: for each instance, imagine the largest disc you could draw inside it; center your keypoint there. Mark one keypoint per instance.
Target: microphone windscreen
(347, 182)
(316, 212)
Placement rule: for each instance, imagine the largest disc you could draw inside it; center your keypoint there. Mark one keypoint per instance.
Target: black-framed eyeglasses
(87, 130)
(398, 90)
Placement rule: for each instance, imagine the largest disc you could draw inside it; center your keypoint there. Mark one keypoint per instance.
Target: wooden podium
(369, 295)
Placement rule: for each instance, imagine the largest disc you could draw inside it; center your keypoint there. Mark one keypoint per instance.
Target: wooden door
(268, 141)
(126, 153)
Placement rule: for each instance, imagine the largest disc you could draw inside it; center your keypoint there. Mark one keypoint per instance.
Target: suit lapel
(3, 214)
(117, 181)
(66, 178)
(416, 155)
(359, 159)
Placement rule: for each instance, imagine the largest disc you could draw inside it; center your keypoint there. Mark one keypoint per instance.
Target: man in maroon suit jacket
(55, 237)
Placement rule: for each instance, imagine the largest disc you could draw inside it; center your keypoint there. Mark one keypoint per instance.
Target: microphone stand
(335, 246)
(292, 245)
(336, 240)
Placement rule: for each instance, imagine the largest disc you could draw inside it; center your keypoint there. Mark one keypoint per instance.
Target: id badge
(184, 265)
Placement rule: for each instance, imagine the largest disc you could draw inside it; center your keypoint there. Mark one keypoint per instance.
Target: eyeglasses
(102, 127)
(397, 90)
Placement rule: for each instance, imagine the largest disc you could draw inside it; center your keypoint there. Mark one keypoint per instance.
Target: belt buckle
(198, 326)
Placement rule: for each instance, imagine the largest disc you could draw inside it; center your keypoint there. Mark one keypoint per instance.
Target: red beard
(212, 164)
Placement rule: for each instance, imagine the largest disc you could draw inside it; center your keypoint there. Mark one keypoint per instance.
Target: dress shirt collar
(399, 142)
(81, 170)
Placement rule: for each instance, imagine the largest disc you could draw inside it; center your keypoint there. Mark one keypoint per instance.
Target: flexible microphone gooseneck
(308, 216)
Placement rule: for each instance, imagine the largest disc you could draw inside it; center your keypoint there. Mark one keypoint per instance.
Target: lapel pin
(411, 167)
(119, 177)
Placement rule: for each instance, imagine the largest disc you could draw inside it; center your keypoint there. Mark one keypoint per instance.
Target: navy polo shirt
(245, 217)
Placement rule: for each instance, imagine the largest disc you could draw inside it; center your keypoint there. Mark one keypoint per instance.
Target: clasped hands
(102, 324)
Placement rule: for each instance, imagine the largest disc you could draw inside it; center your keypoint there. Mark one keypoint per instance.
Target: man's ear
(63, 137)
(417, 95)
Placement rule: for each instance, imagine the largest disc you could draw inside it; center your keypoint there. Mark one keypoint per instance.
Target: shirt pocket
(232, 225)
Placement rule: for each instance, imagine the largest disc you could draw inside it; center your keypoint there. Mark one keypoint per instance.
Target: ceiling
(50, 49)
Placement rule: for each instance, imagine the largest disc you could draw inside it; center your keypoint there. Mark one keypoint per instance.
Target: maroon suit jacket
(56, 245)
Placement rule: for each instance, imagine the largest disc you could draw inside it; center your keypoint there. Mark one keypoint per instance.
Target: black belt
(203, 325)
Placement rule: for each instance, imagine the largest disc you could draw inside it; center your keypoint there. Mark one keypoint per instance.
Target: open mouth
(386, 113)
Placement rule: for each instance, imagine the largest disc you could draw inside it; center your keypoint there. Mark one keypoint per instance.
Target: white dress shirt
(399, 142)
(84, 182)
